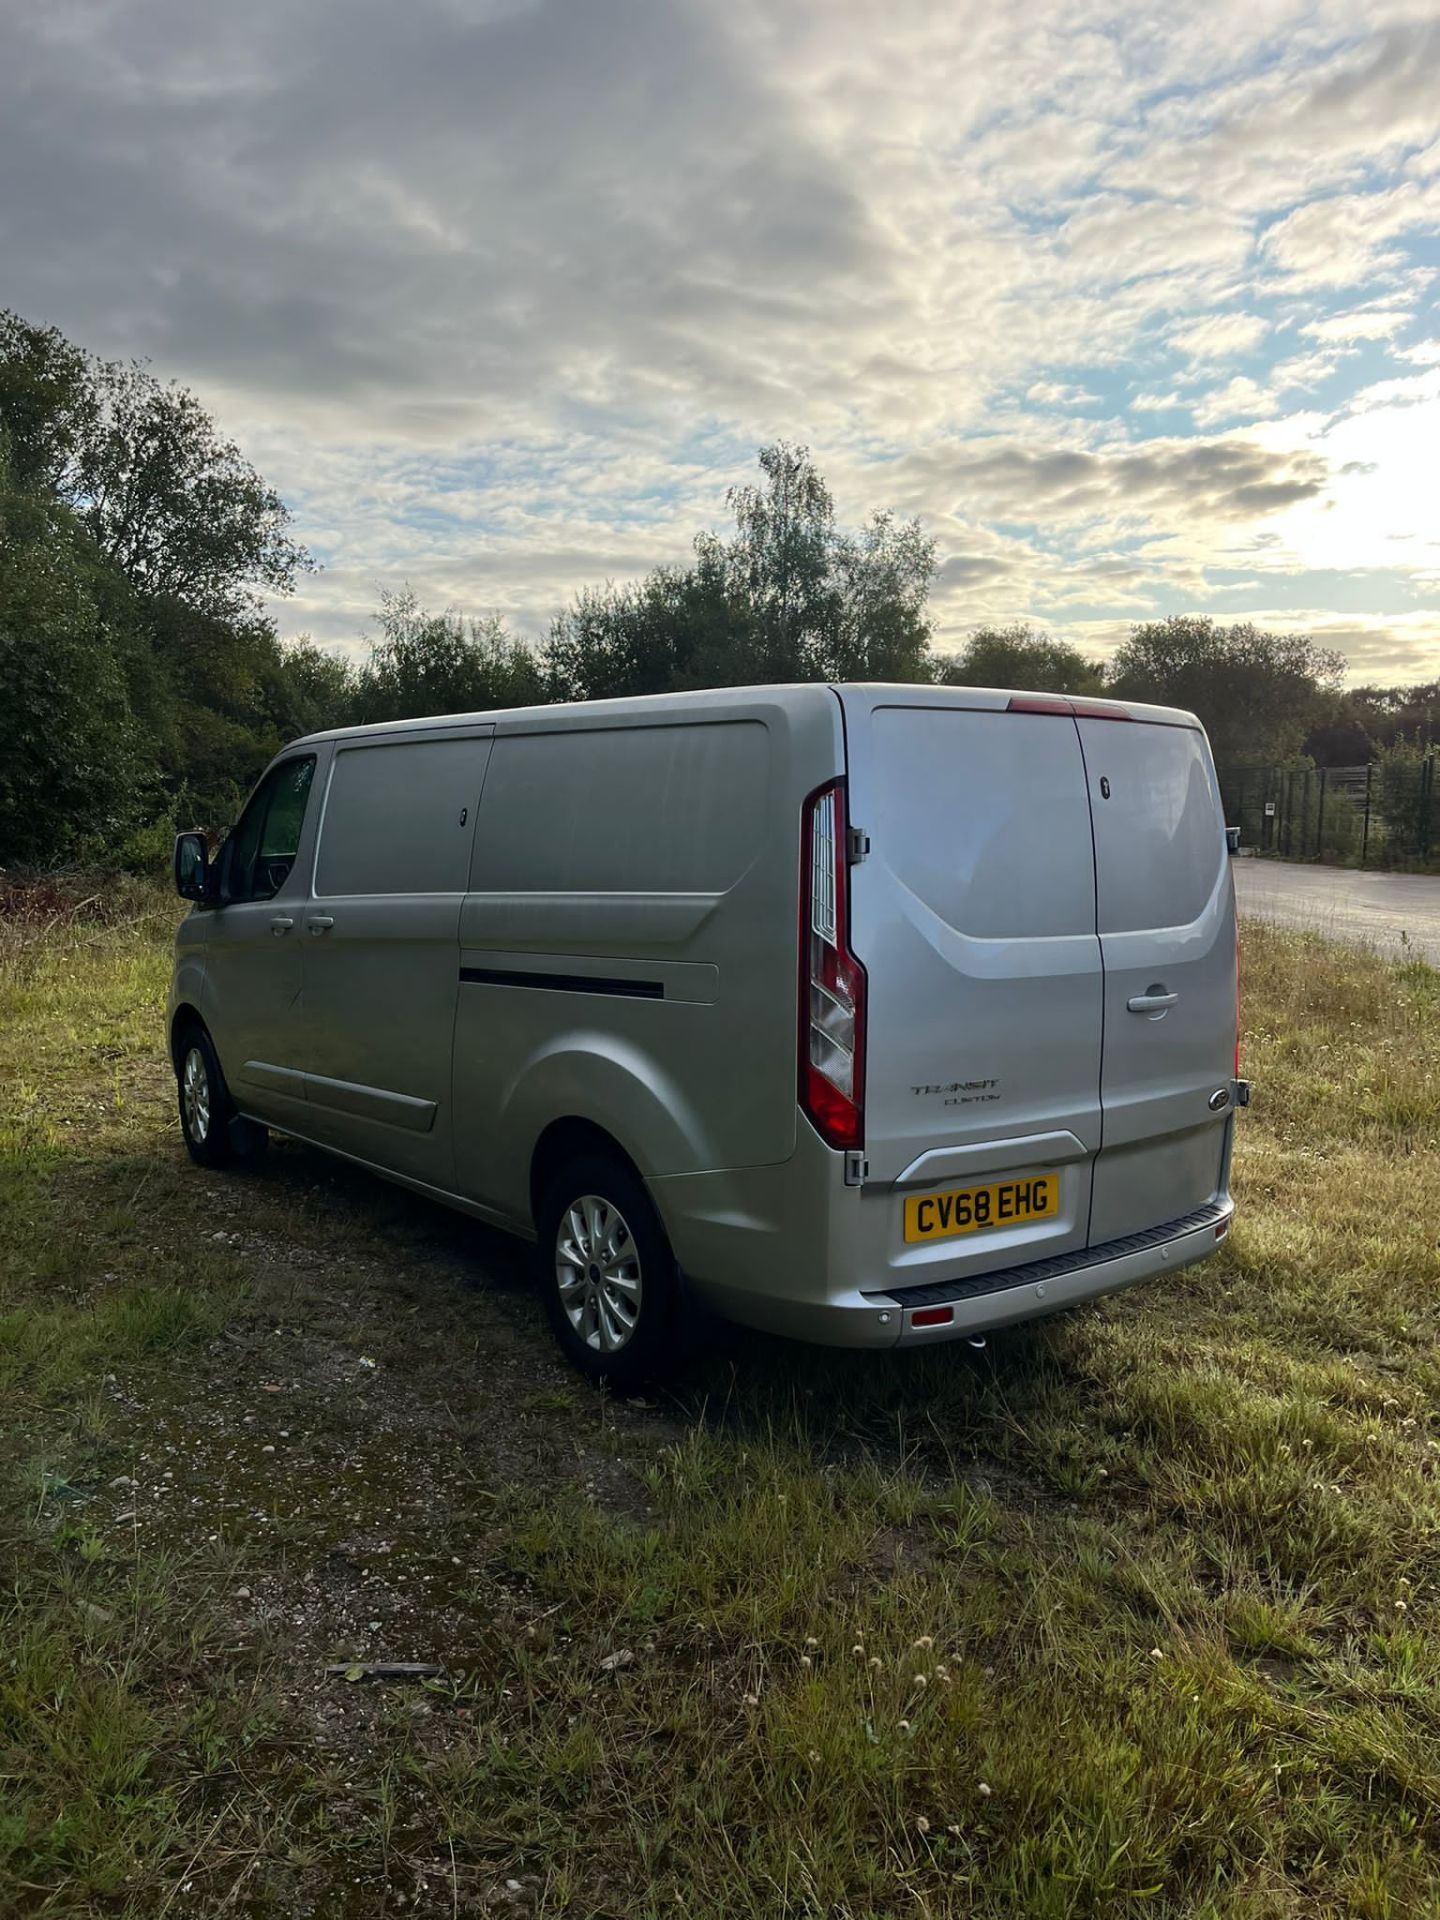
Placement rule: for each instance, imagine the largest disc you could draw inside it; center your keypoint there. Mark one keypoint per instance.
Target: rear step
(939, 1293)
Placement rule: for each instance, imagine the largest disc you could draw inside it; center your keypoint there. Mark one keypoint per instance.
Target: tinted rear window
(1159, 844)
(983, 817)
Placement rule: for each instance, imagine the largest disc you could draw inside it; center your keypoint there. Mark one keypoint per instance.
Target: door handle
(320, 922)
(1152, 1002)
(281, 924)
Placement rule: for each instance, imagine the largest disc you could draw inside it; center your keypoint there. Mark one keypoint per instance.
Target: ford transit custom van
(871, 1015)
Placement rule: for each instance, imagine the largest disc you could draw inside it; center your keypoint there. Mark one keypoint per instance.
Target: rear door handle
(321, 922)
(1151, 1002)
(281, 924)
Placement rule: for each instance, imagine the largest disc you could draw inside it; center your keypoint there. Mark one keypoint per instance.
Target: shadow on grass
(731, 1379)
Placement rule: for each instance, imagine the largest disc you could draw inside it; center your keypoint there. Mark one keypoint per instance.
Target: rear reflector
(1222, 1229)
(932, 1316)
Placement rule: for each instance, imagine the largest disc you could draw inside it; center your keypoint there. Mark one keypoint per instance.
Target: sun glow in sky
(1134, 306)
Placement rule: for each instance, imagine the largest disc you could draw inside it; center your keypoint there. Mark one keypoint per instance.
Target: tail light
(1237, 984)
(832, 981)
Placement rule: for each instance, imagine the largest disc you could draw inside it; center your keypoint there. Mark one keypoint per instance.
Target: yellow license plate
(1007, 1203)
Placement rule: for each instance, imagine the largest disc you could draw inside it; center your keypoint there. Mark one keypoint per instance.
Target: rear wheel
(215, 1135)
(607, 1273)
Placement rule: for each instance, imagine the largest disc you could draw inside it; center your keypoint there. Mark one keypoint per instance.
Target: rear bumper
(987, 1301)
(981, 1303)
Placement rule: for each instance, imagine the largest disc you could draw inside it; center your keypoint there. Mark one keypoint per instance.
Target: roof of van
(879, 693)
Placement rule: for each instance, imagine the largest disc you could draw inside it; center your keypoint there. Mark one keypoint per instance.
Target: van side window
(400, 816)
(260, 853)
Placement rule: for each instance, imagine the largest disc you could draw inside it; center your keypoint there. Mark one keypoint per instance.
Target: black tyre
(607, 1273)
(215, 1135)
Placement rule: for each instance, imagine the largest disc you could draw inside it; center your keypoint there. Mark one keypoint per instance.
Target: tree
(788, 596)
(1018, 656)
(1339, 734)
(173, 505)
(777, 568)
(441, 663)
(883, 630)
(75, 772)
(168, 501)
(309, 689)
(47, 402)
(1391, 714)
(1257, 693)
(1406, 802)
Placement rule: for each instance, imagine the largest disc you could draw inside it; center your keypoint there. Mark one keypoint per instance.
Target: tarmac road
(1382, 910)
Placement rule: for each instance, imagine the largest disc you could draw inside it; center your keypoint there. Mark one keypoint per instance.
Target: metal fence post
(1320, 821)
(1365, 835)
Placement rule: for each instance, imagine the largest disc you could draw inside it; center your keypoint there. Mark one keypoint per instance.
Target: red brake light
(1062, 703)
(1039, 703)
(832, 981)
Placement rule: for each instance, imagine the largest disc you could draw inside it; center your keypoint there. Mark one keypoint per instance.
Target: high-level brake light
(1063, 704)
(832, 981)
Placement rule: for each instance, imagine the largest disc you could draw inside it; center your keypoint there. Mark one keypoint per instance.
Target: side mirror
(193, 879)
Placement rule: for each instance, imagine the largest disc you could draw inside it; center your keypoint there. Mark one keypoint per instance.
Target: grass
(1135, 1613)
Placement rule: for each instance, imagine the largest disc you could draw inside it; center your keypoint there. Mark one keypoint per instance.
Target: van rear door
(973, 913)
(1166, 918)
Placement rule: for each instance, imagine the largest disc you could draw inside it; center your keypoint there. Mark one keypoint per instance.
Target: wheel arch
(182, 1019)
(566, 1139)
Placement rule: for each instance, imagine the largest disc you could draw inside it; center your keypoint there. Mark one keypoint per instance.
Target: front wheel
(607, 1273)
(215, 1135)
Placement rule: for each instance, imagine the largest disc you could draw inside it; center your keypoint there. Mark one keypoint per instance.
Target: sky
(1134, 307)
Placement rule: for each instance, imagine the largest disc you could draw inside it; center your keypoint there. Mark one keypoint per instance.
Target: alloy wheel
(597, 1270)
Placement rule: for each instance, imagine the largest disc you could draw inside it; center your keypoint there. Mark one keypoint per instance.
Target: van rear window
(1159, 840)
(983, 817)
(668, 809)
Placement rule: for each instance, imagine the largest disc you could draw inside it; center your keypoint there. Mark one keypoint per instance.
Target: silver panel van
(873, 1015)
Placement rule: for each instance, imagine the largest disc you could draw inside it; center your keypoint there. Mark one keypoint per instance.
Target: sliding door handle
(1156, 1001)
(320, 922)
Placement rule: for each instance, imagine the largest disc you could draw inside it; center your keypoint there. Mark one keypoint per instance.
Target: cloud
(1054, 393)
(503, 294)
(1203, 480)
(1363, 323)
(1240, 399)
(1220, 336)
(1348, 239)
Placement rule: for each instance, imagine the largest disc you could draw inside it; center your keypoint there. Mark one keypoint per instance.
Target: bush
(1405, 802)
